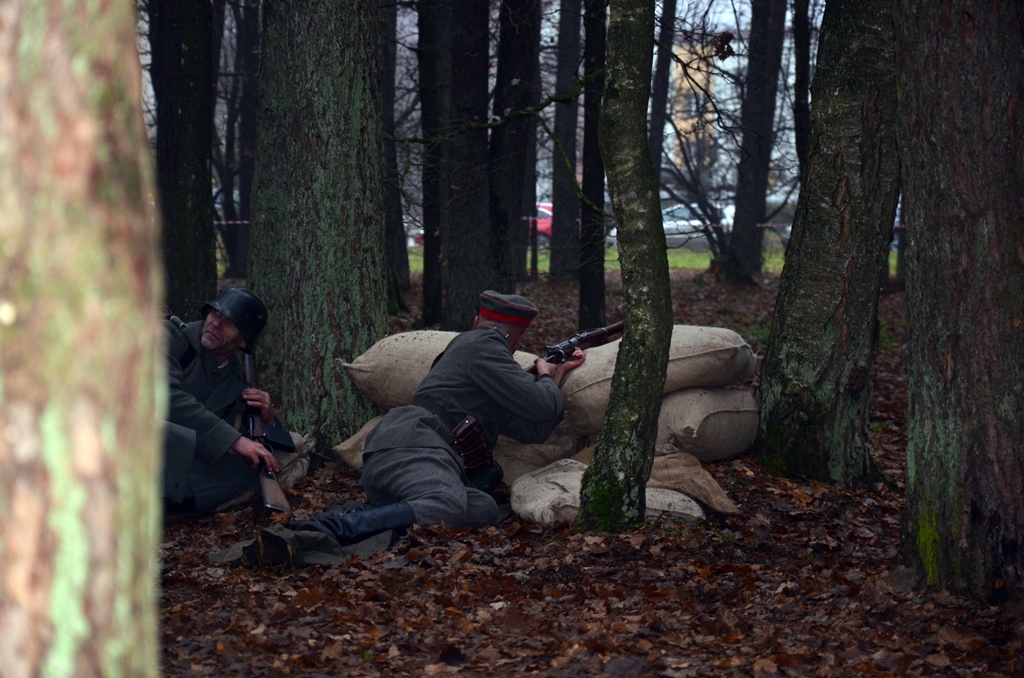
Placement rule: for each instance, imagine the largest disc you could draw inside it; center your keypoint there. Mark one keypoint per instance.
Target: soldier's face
(220, 336)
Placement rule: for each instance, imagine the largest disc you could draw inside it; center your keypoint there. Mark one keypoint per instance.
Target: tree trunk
(180, 41)
(592, 217)
(515, 90)
(249, 47)
(659, 84)
(816, 378)
(79, 346)
(767, 26)
(961, 84)
(802, 84)
(317, 254)
(434, 58)
(394, 228)
(469, 266)
(565, 197)
(613, 494)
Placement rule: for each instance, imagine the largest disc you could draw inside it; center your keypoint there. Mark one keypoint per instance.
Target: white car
(683, 228)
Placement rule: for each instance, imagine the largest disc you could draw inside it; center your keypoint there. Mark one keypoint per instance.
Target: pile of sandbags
(704, 415)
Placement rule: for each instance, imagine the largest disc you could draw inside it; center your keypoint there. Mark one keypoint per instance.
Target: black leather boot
(349, 526)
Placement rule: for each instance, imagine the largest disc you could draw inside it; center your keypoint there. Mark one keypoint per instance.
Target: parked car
(413, 230)
(683, 228)
(543, 216)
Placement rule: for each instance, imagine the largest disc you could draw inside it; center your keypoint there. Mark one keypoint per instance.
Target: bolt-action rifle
(561, 351)
(252, 428)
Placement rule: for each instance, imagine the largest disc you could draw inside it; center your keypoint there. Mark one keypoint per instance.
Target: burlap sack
(351, 450)
(698, 357)
(681, 472)
(551, 495)
(710, 424)
(517, 459)
(391, 370)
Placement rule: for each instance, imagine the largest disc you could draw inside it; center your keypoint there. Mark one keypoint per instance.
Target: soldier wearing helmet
(206, 460)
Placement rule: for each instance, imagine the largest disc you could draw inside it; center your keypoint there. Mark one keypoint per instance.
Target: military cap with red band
(507, 308)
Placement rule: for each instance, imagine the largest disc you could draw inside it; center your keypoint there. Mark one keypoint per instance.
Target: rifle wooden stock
(252, 427)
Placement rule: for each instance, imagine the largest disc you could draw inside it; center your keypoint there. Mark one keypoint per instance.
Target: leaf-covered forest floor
(804, 582)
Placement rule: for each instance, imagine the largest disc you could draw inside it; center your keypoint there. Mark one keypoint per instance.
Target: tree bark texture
(816, 378)
(468, 253)
(317, 255)
(80, 304)
(565, 196)
(394, 226)
(249, 56)
(592, 216)
(961, 79)
(659, 83)
(802, 83)
(613, 493)
(515, 90)
(180, 41)
(434, 58)
(757, 117)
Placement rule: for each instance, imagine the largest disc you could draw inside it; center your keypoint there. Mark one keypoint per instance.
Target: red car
(543, 219)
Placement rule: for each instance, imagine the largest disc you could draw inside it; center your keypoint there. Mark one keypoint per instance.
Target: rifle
(559, 352)
(252, 428)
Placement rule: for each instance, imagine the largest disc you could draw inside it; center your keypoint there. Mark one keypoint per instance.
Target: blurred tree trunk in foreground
(180, 43)
(613, 493)
(317, 253)
(961, 82)
(816, 378)
(79, 260)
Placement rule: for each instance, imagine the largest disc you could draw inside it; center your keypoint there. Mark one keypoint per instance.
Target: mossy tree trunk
(961, 79)
(613, 493)
(180, 41)
(317, 253)
(816, 379)
(80, 303)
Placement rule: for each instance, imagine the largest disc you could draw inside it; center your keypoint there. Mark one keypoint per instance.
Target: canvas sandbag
(681, 472)
(710, 424)
(517, 458)
(390, 371)
(350, 451)
(706, 357)
(551, 495)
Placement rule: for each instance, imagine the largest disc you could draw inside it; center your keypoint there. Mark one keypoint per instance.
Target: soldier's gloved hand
(253, 453)
(254, 397)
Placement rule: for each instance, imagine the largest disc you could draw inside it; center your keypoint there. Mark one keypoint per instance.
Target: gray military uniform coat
(199, 433)
(408, 458)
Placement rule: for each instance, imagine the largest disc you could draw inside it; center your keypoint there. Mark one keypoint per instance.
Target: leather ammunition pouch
(470, 440)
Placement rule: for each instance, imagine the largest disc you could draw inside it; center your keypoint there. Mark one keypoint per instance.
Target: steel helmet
(244, 309)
